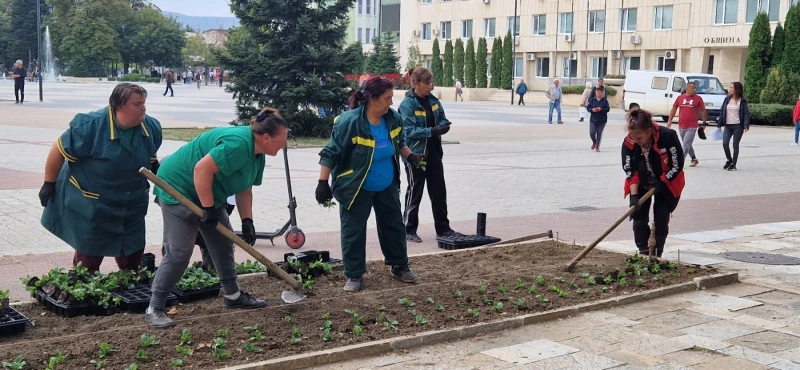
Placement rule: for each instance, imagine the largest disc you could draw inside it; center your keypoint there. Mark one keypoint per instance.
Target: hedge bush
(771, 114)
(610, 91)
(135, 77)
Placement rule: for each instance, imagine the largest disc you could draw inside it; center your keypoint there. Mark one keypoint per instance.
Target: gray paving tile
(732, 363)
(532, 351)
(691, 357)
(674, 320)
(770, 312)
(669, 366)
(767, 341)
(610, 318)
(592, 345)
(776, 297)
(694, 258)
(750, 355)
(633, 358)
(574, 361)
(391, 360)
(719, 301)
(722, 330)
(786, 365)
(741, 290)
(655, 345)
(792, 354)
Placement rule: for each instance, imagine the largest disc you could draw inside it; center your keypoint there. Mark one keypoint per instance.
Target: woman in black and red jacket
(652, 156)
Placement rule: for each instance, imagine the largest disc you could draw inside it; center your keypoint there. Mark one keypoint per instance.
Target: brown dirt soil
(439, 277)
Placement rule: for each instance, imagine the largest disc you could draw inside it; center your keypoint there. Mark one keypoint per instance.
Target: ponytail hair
(639, 120)
(267, 122)
(372, 89)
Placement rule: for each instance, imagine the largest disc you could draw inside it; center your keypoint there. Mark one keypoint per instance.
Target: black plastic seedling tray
(195, 294)
(12, 322)
(137, 299)
(61, 309)
(465, 241)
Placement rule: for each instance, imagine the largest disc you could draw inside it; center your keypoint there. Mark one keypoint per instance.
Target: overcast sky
(200, 8)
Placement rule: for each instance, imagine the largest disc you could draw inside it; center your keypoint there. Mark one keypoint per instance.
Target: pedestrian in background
(691, 107)
(554, 95)
(585, 97)
(459, 91)
(522, 88)
(735, 119)
(19, 75)
(170, 78)
(598, 106)
(796, 119)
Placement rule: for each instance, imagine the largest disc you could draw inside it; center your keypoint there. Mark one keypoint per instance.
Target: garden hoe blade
(292, 296)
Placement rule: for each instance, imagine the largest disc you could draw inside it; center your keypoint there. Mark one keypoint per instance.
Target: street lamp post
(39, 45)
(514, 52)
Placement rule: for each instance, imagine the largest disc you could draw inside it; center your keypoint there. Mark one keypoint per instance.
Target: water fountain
(49, 67)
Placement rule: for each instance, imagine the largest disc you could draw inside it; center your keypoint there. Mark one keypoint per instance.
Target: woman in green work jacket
(93, 196)
(362, 154)
(220, 163)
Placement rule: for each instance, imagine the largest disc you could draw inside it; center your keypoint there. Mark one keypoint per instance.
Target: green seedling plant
(580, 291)
(482, 289)
(473, 312)
(18, 364)
(328, 204)
(176, 362)
(691, 271)
(532, 289)
(249, 347)
(256, 336)
(185, 339)
(451, 318)
(584, 275)
(287, 319)
(486, 300)
(326, 315)
(562, 293)
(132, 367)
(560, 280)
(222, 333)
(502, 289)
(318, 264)
(251, 329)
(599, 271)
(520, 303)
(357, 319)
(296, 335)
(4, 294)
(98, 364)
(572, 285)
(58, 359)
(608, 280)
(656, 269)
(520, 285)
(105, 350)
(622, 282)
(540, 280)
(326, 330)
(357, 330)
(553, 289)
(639, 282)
(308, 284)
(457, 293)
(406, 302)
(184, 350)
(146, 341)
(603, 289)
(657, 278)
(439, 308)
(591, 281)
(672, 266)
(141, 355)
(498, 307)
(218, 351)
(430, 300)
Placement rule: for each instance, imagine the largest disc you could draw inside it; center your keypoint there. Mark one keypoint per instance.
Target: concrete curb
(464, 332)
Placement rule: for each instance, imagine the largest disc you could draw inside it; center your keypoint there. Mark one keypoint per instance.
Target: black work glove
(154, 167)
(634, 198)
(47, 193)
(248, 231)
(440, 130)
(209, 216)
(323, 192)
(416, 160)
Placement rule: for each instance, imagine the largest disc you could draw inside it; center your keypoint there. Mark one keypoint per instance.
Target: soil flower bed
(454, 289)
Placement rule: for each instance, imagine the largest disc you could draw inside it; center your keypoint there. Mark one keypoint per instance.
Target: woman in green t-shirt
(222, 162)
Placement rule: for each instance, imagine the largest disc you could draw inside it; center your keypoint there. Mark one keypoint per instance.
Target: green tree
(387, 61)
(481, 66)
(497, 63)
(159, 40)
(778, 46)
(89, 43)
(757, 64)
(354, 58)
(23, 32)
(781, 87)
(508, 62)
(458, 61)
(195, 50)
(469, 64)
(436, 64)
(286, 55)
(448, 64)
(414, 55)
(791, 51)
(5, 31)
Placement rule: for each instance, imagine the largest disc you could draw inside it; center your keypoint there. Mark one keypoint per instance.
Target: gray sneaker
(404, 273)
(353, 284)
(158, 319)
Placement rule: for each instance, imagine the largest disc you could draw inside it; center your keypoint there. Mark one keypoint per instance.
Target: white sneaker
(795, 144)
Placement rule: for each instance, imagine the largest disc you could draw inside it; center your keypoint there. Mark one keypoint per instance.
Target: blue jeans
(557, 106)
(796, 131)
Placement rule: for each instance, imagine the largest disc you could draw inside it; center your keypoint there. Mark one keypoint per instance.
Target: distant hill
(205, 23)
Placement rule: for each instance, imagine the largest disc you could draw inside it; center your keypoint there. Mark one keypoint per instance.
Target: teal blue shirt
(381, 173)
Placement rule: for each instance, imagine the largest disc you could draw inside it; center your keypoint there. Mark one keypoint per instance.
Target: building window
(359, 35)
(771, 7)
(565, 23)
(542, 67)
(664, 64)
(428, 64)
(569, 68)
(489, 67)
(426, 31)
(514, 26)
(360, 6)
(627, 19)
(466, 29)
(726, 11)
(663, 18)
(426, 1)
(518, 63)
(630, 64)
(597, 21)
(599, 67)
(446, 1)
(369, 6)
(446, 30)
(488, 27)
(539, 24)
(367, 39)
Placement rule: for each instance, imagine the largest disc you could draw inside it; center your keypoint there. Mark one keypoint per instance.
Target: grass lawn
(187, 134)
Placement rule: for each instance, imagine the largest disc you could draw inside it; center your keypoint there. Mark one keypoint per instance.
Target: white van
(656, 91)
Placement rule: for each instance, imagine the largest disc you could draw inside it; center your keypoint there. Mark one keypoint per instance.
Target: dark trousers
(389, 220)
(124, 262)
(169, 88)
(665, 204)
(521, 99)
(736, 132)
(437, 192)
(596, 132)
(19, 91)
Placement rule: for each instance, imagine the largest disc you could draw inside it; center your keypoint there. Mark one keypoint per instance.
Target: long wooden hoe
(571, 265)
(287, 296)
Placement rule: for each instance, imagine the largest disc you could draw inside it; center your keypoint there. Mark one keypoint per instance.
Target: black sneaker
(727, 165)
(414, 238)
(245, 301)
(732, 167)
(451, 234)
(158, 319)
(404, 273)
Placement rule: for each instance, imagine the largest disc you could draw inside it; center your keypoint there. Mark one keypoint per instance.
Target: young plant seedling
(357, 330)
(691, 271)
(390, 324)
(406, 302)
(296, 331)
(520, 285)
(657, 278)
(532, 289)
(430, 300)
(287, 319)
(498, 307)
(591, 281)
(222, 333)
(18, 364)
(132, 367)
(251, 329)
(451, 318)
(328, 204)
(603, 289)
(520, 304)
(608, 280)
(560, 279)
(553, 289)
(326, 315)
(185, 339)
(146, 341)
(540, 280)
(249, 347)
(580, 291)
(502, 289)
(486, 300)
(184, 350)
(457, 293)
(256, 336)
(356, 317)
(97, 364)
(572, 285)
(473, 312)
(482, 289)
(420, 320)
(141, 355)
(308, 284)
(622, 282)
(439, 308)
(58, 359)
(639, 282)
(294, 341)
(176, 362)
(584, 275)
(562, 293)
(105, 350)
(218, 349)
(656, 269)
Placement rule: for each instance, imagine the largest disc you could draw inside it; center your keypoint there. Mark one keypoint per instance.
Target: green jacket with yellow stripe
(415, 125)
(350, 149)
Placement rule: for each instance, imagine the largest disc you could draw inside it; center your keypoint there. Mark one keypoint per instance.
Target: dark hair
(691, 83)
(267, 122)
(421, 74)
(639, 120)
(122, 92)
(373, 88)
(601, 88)
(738, 89)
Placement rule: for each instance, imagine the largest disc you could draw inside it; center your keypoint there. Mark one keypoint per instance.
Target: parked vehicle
(656, 91)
